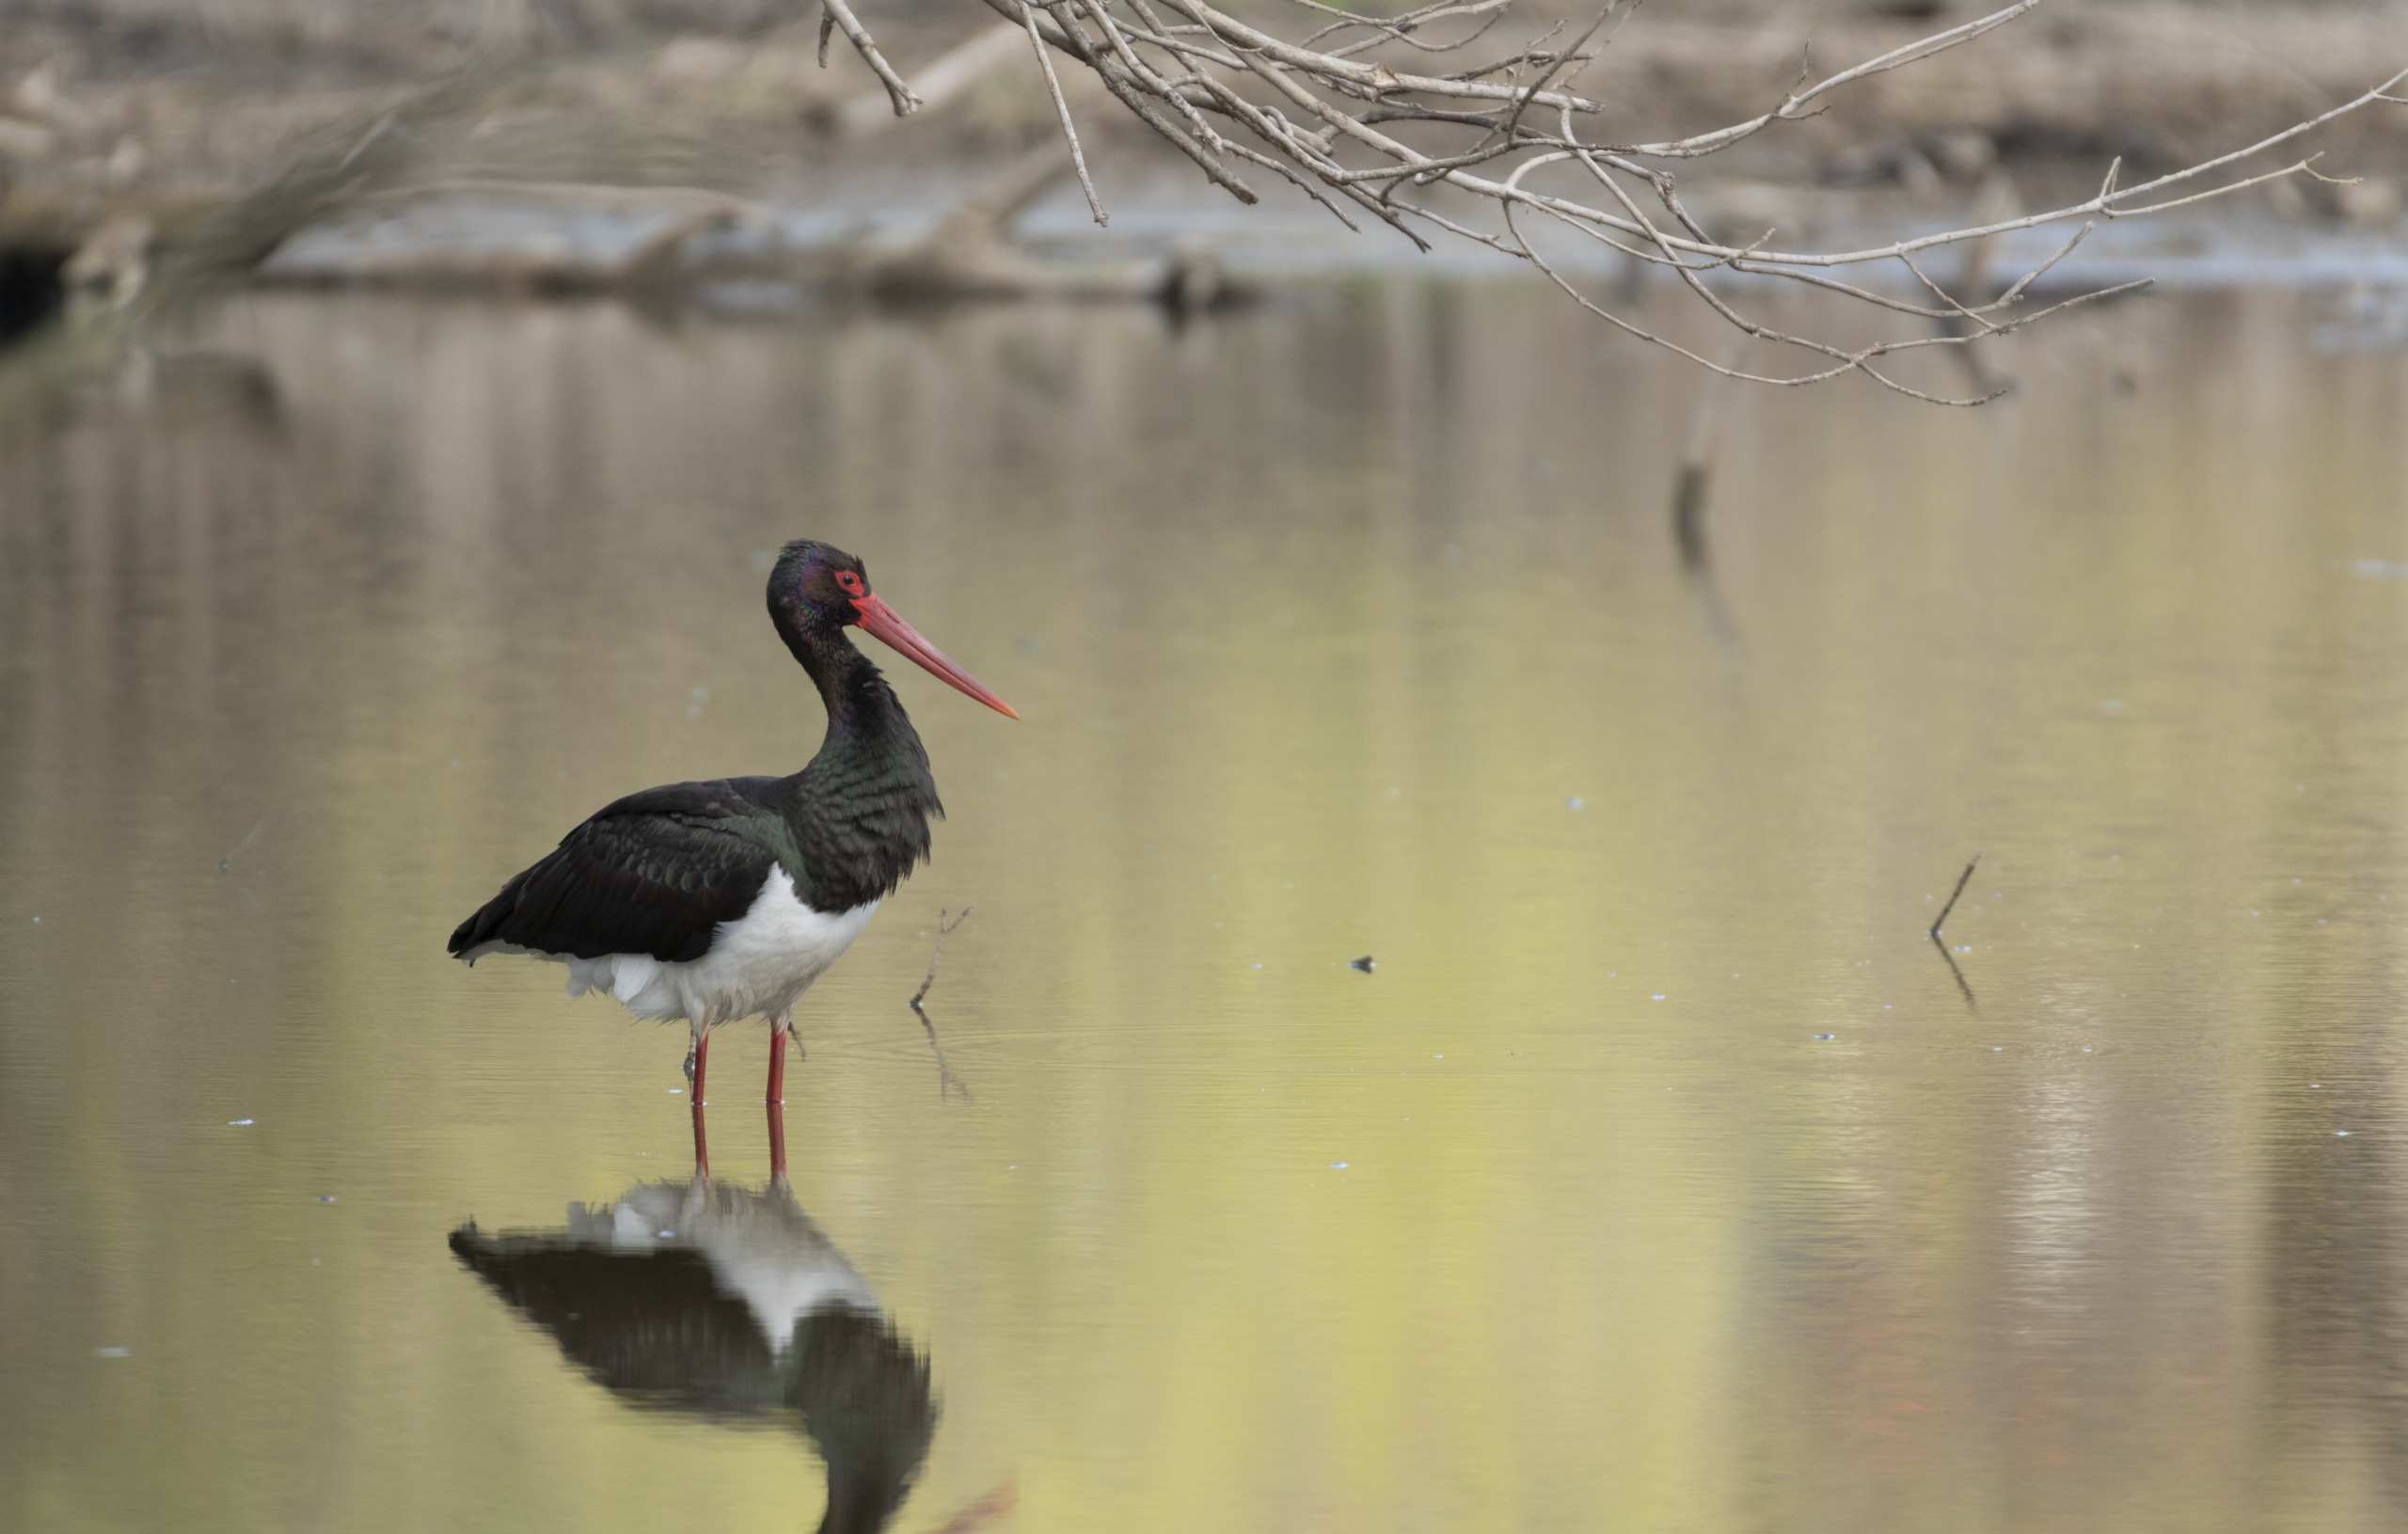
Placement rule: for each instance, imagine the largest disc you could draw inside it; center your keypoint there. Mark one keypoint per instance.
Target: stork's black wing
(655, 873)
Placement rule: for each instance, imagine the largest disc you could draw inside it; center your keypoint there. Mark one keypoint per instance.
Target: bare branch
(1062, 110)
(838, 13)
(1220, 90)
(1913, 52)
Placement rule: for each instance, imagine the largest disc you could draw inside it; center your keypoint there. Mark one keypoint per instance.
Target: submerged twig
(1958, 974)
(947, 1082)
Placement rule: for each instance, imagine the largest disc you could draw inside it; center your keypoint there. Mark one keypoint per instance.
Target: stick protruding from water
(947, 1082)
(944, 930)
(1962, 879)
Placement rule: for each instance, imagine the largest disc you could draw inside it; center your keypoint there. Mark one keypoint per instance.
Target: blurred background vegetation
(167, 106)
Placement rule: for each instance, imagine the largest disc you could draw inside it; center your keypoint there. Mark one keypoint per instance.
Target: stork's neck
(860, 703)
(860, 810)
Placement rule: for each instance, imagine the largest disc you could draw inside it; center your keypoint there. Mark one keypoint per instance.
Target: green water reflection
(1349, 625)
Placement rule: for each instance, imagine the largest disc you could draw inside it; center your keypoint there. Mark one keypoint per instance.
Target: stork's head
(818, 588)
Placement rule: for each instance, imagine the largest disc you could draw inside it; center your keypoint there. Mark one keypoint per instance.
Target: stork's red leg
(697, 1061)
(778, 1101)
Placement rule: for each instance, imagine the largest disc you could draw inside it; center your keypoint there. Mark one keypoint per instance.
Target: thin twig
(238, 846)
(944, 930)
(1513, 126)
(946, 1081)
(1962, 879)
(1963, 989)
(842, 15)
(1062, 109)
(1913, 52)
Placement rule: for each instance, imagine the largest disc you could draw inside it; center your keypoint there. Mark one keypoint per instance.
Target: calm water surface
(1660, 1177)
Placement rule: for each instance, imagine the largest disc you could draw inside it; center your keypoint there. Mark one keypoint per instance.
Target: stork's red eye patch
(851, 582)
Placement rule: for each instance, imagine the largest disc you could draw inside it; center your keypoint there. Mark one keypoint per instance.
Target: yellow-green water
(1351, 624)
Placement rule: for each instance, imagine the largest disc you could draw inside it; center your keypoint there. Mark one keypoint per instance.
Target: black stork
(723, 900)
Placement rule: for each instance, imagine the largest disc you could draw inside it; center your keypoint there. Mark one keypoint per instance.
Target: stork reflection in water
(728, 1302)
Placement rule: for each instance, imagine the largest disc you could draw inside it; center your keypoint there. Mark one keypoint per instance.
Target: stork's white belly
(759, 965)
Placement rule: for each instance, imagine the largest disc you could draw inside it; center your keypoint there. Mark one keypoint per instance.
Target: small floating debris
(1338, 1166)
(666, 1235)
(240, 1123)
(1257, 964)
(1826, 1037)
(1363, 964)
(1658, 997)
(114, 1352)
(1574, 802)
(2340, 1134)
(326, 1198)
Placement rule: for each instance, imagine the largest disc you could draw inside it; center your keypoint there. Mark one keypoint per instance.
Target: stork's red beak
(883, 622)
